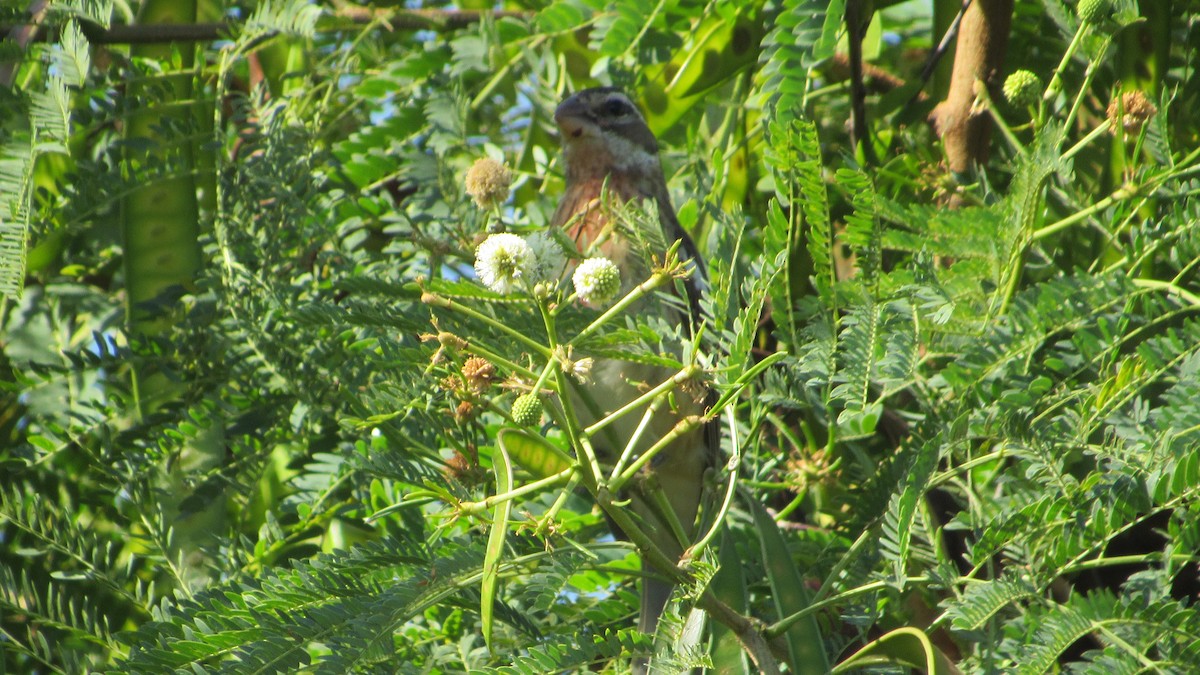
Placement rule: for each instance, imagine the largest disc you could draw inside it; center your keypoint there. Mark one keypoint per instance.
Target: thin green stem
(1056, 80)
(636, 437)
(559, 502)
(1171, 289)
(1119, 195)
(687, 373)
(480, 507)
(746, 378)
(735, 461)
(1134, 651)
(664, 510)
(657, 279)
(1001, 123)
(1125, 192)
(843, 561)
(1142, 559)
(1088, 75)
(965, 467)
(446, 303)
(1083, 142)
(591, 465)
(780, 627)
(521, 53)
(681, 428)
(794, 504)
(552, 337)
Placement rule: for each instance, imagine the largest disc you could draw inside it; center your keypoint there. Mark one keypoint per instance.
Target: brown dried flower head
(478, 372)
(488, 182)
(463, 468)
(465, 411)
(450, 383)
(1131, 111)
(457, 465)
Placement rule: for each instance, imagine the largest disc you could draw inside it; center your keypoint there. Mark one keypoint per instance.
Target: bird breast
(586, 218)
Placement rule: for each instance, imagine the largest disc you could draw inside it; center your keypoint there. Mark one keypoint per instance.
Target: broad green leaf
(806, 649)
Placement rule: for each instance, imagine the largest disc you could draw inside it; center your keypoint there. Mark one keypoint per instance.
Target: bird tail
(655, 594)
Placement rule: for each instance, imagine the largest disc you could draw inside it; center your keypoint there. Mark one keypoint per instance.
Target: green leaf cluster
(255, 408)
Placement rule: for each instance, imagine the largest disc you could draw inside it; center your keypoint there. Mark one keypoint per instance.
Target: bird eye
(615, 107)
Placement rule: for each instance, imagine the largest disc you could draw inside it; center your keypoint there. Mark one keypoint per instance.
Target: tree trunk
(979, 54)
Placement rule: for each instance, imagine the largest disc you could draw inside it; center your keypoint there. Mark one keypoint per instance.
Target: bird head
(603, 132)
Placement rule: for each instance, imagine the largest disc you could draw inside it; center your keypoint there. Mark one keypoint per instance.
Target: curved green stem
(477, 508)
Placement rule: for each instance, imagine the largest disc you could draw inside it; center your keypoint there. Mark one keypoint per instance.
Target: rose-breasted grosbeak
(609, 149)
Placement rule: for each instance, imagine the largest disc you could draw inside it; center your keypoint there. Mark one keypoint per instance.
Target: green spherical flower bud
(597, 281)
(1022, 88)
(527, 410)
(1091, 11)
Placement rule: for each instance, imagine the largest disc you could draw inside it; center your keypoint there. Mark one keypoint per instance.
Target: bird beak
(571, 117)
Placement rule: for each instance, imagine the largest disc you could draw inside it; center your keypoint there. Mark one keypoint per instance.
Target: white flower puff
(597, 281)
(549, 256)
(504, 262)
